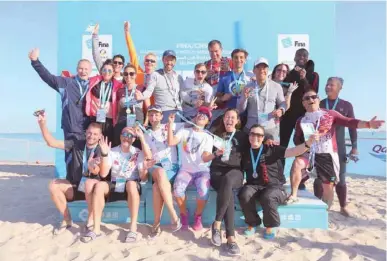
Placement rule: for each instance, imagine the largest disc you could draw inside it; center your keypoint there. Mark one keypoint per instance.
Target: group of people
(227, 128)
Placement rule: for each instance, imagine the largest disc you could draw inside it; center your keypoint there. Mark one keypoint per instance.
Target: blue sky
(359, 57)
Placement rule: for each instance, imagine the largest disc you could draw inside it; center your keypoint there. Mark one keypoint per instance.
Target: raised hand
(105, 145)
(292, 87)
(34, 54)
(96, 29)
(42, 119)
(139, 133)
(213, 105)
(171, 118)
(127, 26)
(375, 124)
(198, 103)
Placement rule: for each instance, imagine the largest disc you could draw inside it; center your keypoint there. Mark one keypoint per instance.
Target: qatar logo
(379, 151)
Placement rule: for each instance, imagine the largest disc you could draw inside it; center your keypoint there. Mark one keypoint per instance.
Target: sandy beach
(27, 216)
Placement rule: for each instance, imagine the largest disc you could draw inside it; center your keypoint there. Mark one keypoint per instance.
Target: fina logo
(379, 152)
(288, 42)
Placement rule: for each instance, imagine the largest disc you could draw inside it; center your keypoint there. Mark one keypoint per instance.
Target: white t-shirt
(191, 94)
(194, 143)
(157, 141)
(126, 165)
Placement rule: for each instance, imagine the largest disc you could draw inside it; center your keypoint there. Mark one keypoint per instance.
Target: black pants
(224, 181)
(287, 125)
(269, 198)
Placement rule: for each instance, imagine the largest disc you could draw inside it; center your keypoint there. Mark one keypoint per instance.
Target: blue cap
(169, 53)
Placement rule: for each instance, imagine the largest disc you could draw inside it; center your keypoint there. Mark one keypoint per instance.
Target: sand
(27, 216)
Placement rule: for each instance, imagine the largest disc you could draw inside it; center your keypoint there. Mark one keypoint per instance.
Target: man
(323, 154)
(217, 67)
(332, 102)
(264, 101)
(72, 91)
(306, 78)
(165, 85)
(83, 166)
(231, 86)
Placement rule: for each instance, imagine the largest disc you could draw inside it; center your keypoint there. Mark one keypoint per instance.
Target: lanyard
(82, 93)
(228, 142)
(254, 162)
(85, 159)
(312, 153)
(104, 93)
(257, 96)
(173, 91)
(193, 124)
(334, 105)
(129, 98)
(124, 161)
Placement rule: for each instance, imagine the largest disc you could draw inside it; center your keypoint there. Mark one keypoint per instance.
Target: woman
(127, 166)
(129, 109)
(118, 59)
(164, 171)
(265, 180)
(279, 74)
(101, 100)
(196, 153)
(226, 175)
(196, 93)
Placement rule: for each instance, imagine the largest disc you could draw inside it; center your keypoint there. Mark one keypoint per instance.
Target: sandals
(62, 227)
(291, 200)
(131, 237)
(90, 236)
(155, 231)
(269, 233)
(86, 228)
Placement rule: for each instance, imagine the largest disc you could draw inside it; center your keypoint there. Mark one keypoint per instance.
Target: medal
(128, 111)
(254, 162)
(255, 175)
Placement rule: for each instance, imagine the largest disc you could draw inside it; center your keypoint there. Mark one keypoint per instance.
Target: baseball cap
(169, 53)
(205, 110)
(261, 60)
(155, 108)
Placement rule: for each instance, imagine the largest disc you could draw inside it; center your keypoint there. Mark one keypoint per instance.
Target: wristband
(104, 155)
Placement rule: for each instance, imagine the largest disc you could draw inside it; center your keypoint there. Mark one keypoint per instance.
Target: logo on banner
(105, 47)
(379, 152)
(288, 44)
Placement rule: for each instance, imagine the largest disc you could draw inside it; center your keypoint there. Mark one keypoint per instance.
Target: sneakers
(250, 231)
(233, 249)
(197, 226)
(184, 220)
(216, 236)
(269, 233)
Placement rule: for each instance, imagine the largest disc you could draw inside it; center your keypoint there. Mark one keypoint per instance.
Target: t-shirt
(157, 141)
(238, 145)
(191, 94)
(75, 161)
(126, 165)
(121, 97)
(194, 143)
(216, 70)
(344, 108)
(269, 168)
(234, 84)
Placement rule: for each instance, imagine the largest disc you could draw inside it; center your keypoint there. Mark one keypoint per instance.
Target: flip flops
(62, 227)
(131, 237)
(90, 236)
(291, 200)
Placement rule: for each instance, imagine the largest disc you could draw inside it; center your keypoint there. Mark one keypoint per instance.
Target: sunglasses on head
(129, 73)
(150, 61)
(311, 97)
(255, 134)
(118, 62)
(202, 114)
(200, 72)
(107, 71)
(128, 135)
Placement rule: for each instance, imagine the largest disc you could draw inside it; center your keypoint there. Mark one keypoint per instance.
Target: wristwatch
(104, 155)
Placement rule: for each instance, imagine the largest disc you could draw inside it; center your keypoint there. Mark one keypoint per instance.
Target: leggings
(184, 179)
(224, 181)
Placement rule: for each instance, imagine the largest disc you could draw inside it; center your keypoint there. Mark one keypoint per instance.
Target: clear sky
(360, 55)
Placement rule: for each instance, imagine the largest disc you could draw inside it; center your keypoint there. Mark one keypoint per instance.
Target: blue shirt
(234, 83)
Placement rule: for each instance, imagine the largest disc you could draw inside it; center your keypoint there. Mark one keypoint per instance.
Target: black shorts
(78, 195)
(325, 169)
(117, 196)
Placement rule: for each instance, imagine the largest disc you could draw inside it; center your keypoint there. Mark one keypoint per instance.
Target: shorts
(171, 174)
(77, 195)
(327, 166)
(117, 196)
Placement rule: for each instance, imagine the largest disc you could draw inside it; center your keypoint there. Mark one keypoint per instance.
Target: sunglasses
(117, 62)
(282, 71)
(129, 73)
(255, 134)
(311, 97)
(128, 135)
(150, 61)
(200, 72)
(107, 71)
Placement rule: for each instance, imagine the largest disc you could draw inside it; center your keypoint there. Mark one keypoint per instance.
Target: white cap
(261, 60)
